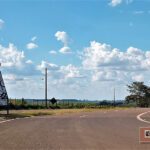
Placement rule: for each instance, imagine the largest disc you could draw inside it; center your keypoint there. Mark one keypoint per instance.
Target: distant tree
(53, 100)
(139, 93)
(22, 101)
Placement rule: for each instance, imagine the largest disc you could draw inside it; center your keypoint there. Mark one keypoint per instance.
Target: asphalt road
(103, 130)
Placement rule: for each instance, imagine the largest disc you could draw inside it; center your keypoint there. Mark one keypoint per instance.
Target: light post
(46, 87)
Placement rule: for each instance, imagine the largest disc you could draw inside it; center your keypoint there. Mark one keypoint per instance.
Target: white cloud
(102, 67)
(63, 79)
(29, 62)
(70, 71)
(33, 38)
(11, 57)
(114, 3)
(1, 23)
(13, 61)
(60, 74)
(111, 64)
(31, 45)
(138, 78)
(52, 52)
(98, 55)
(104, 75)
(65, 50)
(49, 66)
(64, 38)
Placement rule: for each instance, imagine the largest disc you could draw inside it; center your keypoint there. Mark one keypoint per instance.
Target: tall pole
(46, 87)
(114, 97)
(7, 106)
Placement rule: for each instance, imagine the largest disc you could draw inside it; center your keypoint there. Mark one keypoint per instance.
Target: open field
(112, 129)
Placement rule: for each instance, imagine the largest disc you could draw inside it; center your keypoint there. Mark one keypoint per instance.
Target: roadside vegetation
(48, 112)
(139, 94)
(15, 104)
(20, 108)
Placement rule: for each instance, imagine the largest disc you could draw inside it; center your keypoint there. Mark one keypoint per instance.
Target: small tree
(139, 93)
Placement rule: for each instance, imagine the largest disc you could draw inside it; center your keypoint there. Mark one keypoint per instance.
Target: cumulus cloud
(70, 71)
(64, 38)
(104, 75)
(107, 63)
(102, 67)
(52, 52)
(60, 74)
(13, 61)
(29, 61)
(31, 45)
(114, 3)
(10, 56)
(65, 50)
(49, 66)
(99, 54)
(64, 79)
(1, 23)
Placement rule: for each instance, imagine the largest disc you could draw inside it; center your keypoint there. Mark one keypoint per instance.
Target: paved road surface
(103, 130)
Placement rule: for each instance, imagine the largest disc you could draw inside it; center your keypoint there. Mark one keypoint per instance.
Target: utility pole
(46, 87)
(114, 97)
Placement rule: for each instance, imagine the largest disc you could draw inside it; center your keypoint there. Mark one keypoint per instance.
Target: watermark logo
(144, 135)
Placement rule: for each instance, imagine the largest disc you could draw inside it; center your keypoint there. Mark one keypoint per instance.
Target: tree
(139, 93)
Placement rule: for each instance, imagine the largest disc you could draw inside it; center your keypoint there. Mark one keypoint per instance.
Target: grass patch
(44, 112)
(13, 116)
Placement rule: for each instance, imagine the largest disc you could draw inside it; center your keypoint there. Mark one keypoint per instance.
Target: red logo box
(144, 135)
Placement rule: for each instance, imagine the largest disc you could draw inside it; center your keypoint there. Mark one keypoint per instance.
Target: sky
(90, 47)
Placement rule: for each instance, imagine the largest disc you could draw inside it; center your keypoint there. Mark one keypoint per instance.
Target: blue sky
(31, 26)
